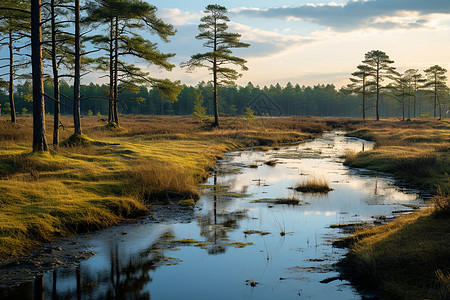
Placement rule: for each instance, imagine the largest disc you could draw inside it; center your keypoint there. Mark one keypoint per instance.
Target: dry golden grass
(314, 184)
(407, 258)
(350, 156)
(415, 150)
(114, 173)
(154, 181)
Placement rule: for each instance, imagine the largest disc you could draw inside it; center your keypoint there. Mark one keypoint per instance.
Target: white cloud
(266, 43)
(178, 17)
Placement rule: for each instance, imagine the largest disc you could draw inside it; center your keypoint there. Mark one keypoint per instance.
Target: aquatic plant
(314, 184)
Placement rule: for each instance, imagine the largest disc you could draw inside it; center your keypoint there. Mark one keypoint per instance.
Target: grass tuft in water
(314, 184)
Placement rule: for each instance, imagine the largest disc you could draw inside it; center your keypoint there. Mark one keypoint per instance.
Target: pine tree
(14, 27)
(361, 85)
(414, 78)
(213, 30)
(380, 69)
(400, 90)
(124, 19)
(436, 81)
(199, 111)
(58, 53)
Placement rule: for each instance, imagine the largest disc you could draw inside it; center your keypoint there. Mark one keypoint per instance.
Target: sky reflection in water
(148, 263)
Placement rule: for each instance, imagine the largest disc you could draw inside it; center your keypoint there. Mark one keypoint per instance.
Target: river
(240, 241)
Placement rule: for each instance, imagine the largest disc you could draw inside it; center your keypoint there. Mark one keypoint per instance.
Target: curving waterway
(240, 241)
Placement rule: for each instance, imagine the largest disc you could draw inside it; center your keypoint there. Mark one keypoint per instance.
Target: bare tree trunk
(440, 108)
(55, 78)
(364, 99)
(39, 140)
(76, 85)
(403, 109)
(378, 93)
(435, 94)
(216, 106)
(11, 78)
(116, 72)
(111, 72)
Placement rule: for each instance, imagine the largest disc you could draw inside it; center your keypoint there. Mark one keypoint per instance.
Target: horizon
(308, 42)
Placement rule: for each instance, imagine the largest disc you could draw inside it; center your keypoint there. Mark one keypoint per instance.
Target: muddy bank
(69, 252)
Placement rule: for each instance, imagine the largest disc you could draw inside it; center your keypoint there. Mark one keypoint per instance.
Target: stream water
(240, 242)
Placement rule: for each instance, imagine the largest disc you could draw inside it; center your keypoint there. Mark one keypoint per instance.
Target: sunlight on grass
(112, 173)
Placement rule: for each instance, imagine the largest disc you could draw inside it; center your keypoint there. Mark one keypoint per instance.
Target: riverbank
(418, 151)
(119, 173)
(408, 258)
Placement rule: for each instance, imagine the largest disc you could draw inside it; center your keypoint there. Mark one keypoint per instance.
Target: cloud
(264, 43)
(178, 17)
(357, 14)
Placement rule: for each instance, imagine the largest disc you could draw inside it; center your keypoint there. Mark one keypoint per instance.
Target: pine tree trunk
(364, 99)
(111, 71)
(76, 87)
(11, 78)
(378, 93)
(440, 108)
(55, 78)
(116, 72)
(39, 140)
(403, 109)
(435, 94)
(216, 106)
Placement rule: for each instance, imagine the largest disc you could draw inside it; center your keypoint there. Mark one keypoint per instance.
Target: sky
(314, 41)
(308, 41)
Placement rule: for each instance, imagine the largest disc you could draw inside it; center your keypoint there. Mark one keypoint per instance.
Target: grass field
(113, 174)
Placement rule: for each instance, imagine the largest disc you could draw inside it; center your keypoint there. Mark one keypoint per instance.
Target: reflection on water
(235, 240)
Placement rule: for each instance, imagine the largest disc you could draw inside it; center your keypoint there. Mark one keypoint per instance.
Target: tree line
(69, 38)
(377, 68)
(291, 99)
(57, 32)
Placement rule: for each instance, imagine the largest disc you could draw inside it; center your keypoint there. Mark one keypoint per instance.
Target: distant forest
(289, 100)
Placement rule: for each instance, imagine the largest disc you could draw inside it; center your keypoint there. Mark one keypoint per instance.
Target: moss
(187, 202)
(77, 140)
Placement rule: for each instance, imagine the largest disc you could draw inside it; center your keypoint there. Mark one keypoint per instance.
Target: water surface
(240, 248)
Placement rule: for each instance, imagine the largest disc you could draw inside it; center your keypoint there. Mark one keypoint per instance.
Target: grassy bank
(117, 173)
(410, 257)
(418, 151)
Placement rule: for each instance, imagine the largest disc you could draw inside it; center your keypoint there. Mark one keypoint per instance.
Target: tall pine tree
(380, 69)
(361, 85)
(213, 30)
(436, 81)
(124, 18)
